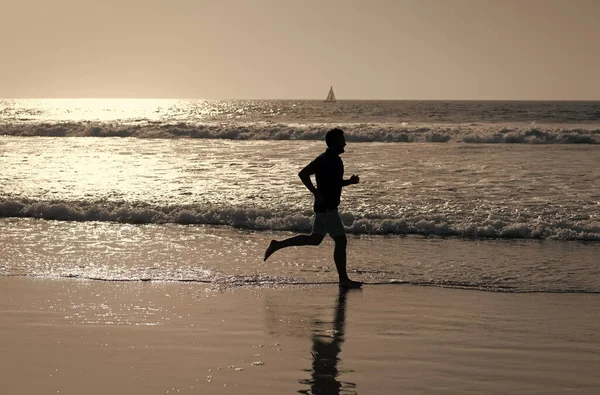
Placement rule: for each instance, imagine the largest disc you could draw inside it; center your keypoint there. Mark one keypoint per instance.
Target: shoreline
(295, 284)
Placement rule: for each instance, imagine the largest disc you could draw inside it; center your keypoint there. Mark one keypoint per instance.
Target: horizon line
(296, 99)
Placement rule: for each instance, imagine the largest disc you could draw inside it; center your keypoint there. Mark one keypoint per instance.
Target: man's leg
(300, 240)
(319, 231)
(339, 256)
(335, 228)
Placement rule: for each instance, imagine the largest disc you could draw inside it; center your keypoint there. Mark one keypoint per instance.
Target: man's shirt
(329, 172)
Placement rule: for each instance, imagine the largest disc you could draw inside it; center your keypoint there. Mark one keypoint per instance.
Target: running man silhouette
(328, 169)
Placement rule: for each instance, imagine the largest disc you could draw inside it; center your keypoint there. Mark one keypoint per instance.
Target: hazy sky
(289, 49)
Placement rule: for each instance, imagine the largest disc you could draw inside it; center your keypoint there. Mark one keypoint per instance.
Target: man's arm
(352, 180)
(305, 177)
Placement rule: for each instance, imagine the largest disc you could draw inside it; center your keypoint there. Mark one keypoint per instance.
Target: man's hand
(354, 179)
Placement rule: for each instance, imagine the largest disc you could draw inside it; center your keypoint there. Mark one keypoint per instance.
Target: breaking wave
(493, 226)
(360, 132)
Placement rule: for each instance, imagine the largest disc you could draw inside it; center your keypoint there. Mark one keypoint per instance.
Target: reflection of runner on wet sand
(328, 169)
(325, 352)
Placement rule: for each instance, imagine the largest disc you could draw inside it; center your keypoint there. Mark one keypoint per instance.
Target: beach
(275, 197)
(132, 236)
(80, 336)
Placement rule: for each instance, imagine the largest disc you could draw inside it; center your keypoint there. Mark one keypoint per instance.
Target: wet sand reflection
(326, 348)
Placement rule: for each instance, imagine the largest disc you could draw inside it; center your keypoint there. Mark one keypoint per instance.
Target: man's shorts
(328, 222)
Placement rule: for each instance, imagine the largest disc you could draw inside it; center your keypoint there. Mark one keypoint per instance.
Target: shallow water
(226, 258)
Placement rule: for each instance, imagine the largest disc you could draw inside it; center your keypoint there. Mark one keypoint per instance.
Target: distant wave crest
(361, 132)
(263, 219)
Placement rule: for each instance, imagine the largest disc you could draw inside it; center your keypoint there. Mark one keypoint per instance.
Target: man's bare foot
(271, 249)
(350, 284)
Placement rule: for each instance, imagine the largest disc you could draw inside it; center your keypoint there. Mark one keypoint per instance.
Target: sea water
(500, 196)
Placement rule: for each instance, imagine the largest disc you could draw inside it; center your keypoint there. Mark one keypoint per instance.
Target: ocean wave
(585, 229)
(359, 132)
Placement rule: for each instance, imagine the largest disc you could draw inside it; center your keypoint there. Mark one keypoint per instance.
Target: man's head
(335, 140)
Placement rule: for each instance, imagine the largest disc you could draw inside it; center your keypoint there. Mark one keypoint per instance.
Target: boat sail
(330, 95)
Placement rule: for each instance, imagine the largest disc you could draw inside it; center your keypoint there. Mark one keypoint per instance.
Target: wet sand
(69, 336)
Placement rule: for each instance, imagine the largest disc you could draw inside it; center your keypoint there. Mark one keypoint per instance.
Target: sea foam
(258, 219)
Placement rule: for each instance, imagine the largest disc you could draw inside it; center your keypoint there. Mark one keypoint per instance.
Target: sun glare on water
(102, 110)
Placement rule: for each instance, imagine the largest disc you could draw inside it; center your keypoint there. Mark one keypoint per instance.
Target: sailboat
(330, 96)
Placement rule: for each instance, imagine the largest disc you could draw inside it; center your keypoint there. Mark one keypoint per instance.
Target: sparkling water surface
(456, 189)
(211, 183)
